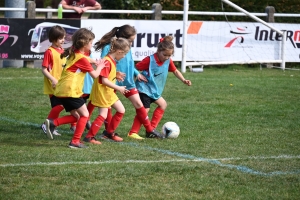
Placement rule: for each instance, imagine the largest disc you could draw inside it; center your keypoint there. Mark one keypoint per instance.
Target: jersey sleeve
(106, 70)
(48, 59)
(83, 64)
(90, 3)
(144, 64)
(172, 67)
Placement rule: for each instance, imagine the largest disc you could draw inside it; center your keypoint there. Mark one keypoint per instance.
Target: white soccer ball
(170, 130)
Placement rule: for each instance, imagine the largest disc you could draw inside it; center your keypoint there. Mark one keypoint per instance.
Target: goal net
(227, 42)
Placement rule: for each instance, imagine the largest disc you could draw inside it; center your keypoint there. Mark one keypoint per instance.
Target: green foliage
(255, 6)
(225, 130)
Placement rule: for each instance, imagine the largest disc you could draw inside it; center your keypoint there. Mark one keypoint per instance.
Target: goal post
(189, 62)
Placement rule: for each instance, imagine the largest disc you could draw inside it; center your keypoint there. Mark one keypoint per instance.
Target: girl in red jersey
(69, 87)
(103, 93)
(155, 68)
(52, 67)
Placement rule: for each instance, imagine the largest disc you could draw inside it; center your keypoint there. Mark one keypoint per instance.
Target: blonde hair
(119, 44)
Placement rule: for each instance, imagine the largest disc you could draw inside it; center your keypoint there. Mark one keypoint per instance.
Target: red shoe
(91, 140)
(113, 136)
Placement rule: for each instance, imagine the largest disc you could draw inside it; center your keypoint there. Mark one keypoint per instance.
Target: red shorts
(131, 92)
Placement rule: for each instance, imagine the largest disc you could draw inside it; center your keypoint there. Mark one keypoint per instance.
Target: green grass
(236, 142)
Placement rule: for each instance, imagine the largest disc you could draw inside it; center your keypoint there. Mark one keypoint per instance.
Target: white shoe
(55, 132)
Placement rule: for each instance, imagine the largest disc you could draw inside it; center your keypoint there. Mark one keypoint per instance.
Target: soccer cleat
(154, 134)
(50, 127)
(55, 132)
(91, 140)
(135, 136)
(43, 127)
(77, 145)
(113, 136)
(88, 125)
(73, 129)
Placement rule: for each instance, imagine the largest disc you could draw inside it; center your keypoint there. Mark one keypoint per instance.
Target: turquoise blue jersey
(156, 76)
(88, 83)
(125, 65)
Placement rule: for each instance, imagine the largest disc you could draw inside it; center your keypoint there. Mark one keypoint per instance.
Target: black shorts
(70, 103)
(55, 101)
(146, 100)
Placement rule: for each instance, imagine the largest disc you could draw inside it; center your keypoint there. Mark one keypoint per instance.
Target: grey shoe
(88, 125)
(77, 146)
(154, 134)
(73, 129)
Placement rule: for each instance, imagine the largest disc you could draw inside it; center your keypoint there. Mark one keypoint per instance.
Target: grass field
(236, 142)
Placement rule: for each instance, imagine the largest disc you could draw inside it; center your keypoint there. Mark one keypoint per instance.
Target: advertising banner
(241, 41)
(27, 39)
(148, 34)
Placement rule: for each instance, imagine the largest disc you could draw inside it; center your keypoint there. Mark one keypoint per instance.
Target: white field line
(144, 161)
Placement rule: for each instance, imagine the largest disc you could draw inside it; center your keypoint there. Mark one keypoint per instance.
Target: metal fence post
(30, 14)
(14, 14)
(48, 15)
(157, 11)
(270, 10)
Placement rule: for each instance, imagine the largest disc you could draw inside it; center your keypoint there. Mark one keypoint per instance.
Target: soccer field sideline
(185, 158)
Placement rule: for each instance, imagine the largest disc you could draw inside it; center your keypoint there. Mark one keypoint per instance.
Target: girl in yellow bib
(52, 67)
(69, 86)
(103, 93)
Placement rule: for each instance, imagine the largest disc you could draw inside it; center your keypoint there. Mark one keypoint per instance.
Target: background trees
(257, 6)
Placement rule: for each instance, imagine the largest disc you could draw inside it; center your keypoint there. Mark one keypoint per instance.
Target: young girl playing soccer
(52, 67)
(69, 87)
(155, 68)
(127, 74)
(103, 95)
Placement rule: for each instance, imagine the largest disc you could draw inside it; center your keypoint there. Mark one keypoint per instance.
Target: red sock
(108, 119)
(142, 115)
(96, 125)
(80, 126)
(65, 120)
(156, 117)
(73, 124)
(90, 108)
(136, 125)
(55, 111)
(115, 121)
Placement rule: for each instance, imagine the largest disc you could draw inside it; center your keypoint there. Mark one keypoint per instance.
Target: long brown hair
(165, 44)
(126, 31)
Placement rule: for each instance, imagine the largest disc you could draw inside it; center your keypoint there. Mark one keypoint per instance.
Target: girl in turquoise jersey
(155, 68)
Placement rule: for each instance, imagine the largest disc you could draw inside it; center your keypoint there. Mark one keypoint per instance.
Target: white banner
(208, 41)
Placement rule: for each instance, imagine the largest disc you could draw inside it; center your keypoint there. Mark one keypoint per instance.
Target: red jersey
(77, 3)
(144, 64)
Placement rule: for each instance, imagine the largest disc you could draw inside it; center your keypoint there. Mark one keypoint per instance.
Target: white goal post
(186, 63)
